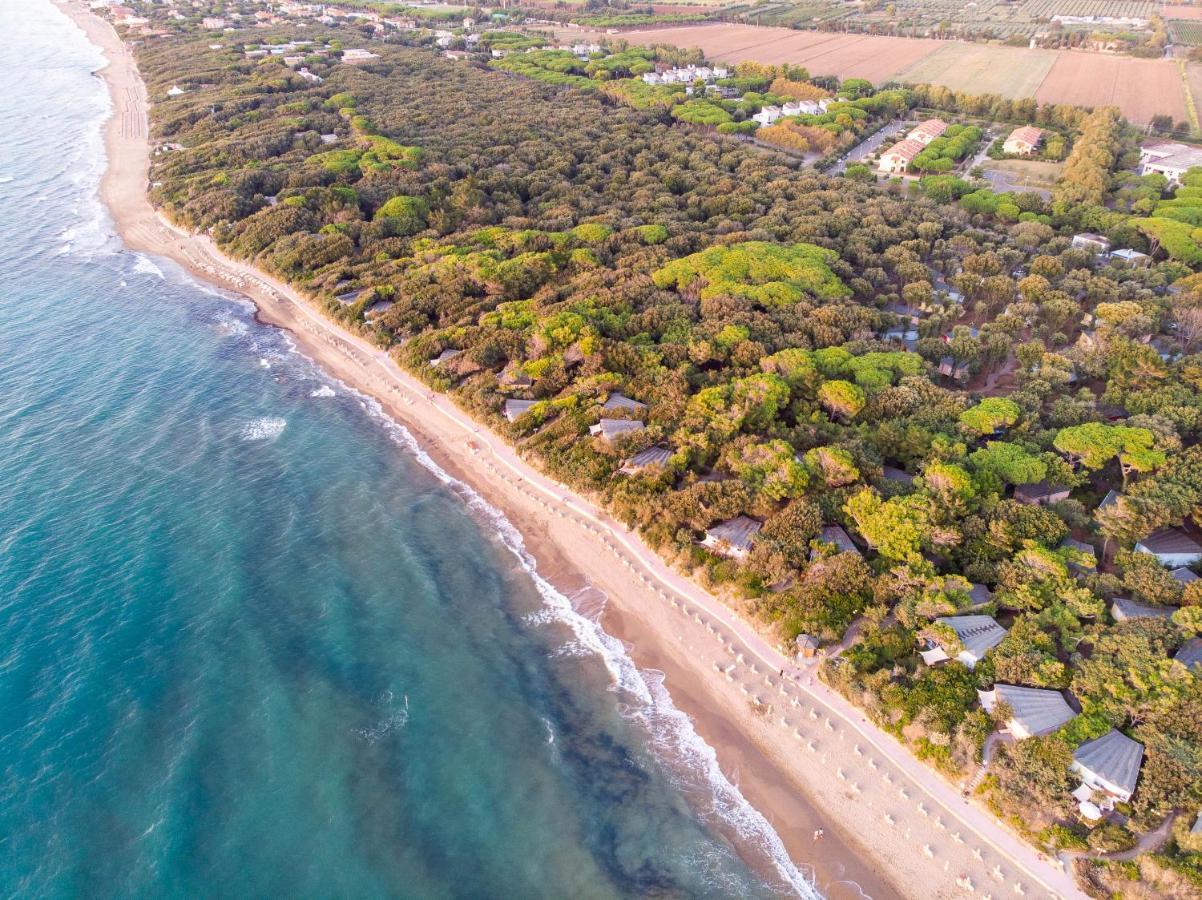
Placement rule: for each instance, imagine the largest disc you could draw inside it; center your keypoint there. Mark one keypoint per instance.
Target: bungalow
(608, 429)
(1033, 711)
(358, 55)
(329, 138)
(1090, 241)
(905, 311)
(1130, 257)
(897, 158)
(213, 23)
(1124, 608)
(1168, 158)
(734, 537)
(1172, 547)
(617, 401)
(441, 359)
(1111, 498)
(515, 409)
(1182, 575)
(838, 538)
(806, 646)
(1110, 765)
(1023, 141)
(352, 297)
(646, 459)
(925, 132)
(1041, 493)
(1190, 654)
(977, 635)
(514, 377)
(175, 91)
(908, 337)
(1082, 547)
(310, 77)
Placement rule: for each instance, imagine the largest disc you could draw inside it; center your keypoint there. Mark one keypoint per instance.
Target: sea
(255, 643)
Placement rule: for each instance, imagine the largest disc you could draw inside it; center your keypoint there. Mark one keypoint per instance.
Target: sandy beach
(803, 756)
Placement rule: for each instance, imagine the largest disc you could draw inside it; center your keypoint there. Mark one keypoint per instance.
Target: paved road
(869, 146)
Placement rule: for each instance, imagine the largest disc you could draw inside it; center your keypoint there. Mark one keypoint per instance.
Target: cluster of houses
(771, 114)
(1099, 244)
(1108, 766)
(686, 75)
(896, 160)
(1168, 158)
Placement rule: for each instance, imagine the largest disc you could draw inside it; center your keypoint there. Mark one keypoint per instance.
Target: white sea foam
(648, 702)
(5, 179)
(644, 698)
(144, 265)
(267, 428)
(324, 391)
(264, 363)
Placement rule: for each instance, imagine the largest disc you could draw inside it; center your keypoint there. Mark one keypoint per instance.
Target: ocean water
(252, 643)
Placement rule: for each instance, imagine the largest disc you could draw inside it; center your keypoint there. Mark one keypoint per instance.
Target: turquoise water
(251, 643)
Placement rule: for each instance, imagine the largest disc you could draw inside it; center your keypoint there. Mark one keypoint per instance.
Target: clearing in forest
(980, 69)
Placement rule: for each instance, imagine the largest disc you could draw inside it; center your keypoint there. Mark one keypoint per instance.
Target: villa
(977, 635)
(1109, 767)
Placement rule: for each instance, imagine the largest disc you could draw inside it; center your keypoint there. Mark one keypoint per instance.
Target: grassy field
(982, 69)
(1028, 172)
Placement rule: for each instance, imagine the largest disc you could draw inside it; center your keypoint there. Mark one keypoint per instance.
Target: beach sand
(803, 756)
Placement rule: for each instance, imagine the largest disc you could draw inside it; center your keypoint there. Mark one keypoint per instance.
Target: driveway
(869, 146)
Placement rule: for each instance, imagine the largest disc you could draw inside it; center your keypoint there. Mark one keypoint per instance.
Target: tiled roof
(652, 456)
(739, 533)
(1037, 710)
(978, 634)
(1190, 654)
(1028, 134)
(1113, 757)
(1170, 540)
(1126, 608)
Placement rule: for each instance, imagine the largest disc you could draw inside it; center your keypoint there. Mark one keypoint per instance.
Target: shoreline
(800, 754)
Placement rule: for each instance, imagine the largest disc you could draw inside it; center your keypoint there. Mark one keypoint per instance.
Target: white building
(1168, 158)
(977, 635)
(1087, 240)
(1033, 711)
(897, 158)
(1023, 141)
(1172, 547)
(1109, 765)
(734, 537)
(358, 55)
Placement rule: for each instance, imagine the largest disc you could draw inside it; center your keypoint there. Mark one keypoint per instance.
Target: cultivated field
(1186, 32)
(1140, 88)
(845, 55)
(1182, 12)
(981, 69)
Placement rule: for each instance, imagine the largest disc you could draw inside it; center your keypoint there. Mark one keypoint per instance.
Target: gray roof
(1079, 545)
(1170, 540)
(1197, 829)
(739, 533)
(1037, 710)
(444, 356)
(978, 634)
(834, 534)
(892, 473)
(1113, 757)
(979, 593)
(1041, 490)
(612, 428)
(652, 456)
(1112, 497)
(515, 409)
(1125, 608)
(1190, 654)
(619, 401)
(1183, 575)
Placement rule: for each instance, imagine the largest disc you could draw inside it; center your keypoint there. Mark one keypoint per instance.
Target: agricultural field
(846, 55)
(1116, 9)
(1188, 32)
(1140, 88)
(1182, 12)
(983, 69)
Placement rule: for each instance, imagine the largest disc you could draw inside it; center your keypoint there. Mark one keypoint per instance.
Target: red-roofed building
(897, 158)
(925, 132)
(1023, 141)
